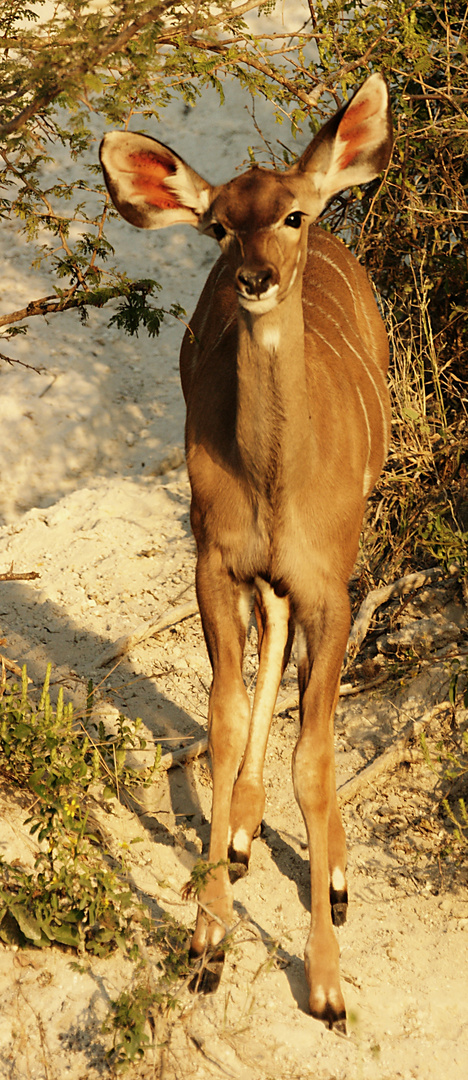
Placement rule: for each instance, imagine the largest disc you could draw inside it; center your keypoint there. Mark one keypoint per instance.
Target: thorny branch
(65, 75)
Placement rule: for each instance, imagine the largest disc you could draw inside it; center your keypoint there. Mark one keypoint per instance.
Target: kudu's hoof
(339, 905)
(333, 1020)
(208, 975)
(238, 864)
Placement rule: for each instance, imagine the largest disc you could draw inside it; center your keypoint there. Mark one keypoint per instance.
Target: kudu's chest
(264, 521)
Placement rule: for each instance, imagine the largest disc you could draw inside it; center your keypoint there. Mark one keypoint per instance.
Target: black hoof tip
(238, 864)
(339, 905)
(339, 913)
(335, 1022)
(207, 979)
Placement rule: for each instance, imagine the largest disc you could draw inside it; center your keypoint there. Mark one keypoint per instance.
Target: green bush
(73, 896)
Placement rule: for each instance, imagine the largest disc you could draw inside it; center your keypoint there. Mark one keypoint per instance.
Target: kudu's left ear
(354, 146)
(149, 184)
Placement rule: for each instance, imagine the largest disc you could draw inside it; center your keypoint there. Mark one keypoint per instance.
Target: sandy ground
(94, 496)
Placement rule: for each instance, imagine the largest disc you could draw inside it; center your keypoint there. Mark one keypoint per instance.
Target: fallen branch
(390, 757)
(346, 690)
(145, 630)
(185, 754)
(14, 360)
(358, 632)
(350, 689)
(383, 763)
(30, 576)
(380, 596)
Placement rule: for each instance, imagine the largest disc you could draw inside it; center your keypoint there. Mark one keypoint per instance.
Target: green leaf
(28, 925)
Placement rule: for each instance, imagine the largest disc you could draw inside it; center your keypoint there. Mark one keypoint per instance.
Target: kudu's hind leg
(220, 602)
(275, 630)
(314, 775)
(337, 853)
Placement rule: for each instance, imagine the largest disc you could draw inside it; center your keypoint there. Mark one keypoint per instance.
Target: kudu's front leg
(221, 607)
(314, 778)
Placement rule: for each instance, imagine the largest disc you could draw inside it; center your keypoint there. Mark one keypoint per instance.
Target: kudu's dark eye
(218, 230)
(294, 220)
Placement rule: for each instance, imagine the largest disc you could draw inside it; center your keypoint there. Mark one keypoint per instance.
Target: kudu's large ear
(354, 146)
(149, 184)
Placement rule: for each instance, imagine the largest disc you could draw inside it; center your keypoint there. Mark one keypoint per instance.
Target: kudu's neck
(272, 406)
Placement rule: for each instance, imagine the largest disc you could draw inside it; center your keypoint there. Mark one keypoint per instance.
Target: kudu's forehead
(256, 200)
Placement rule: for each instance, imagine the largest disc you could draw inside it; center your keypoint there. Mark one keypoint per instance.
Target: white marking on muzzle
(259, 305)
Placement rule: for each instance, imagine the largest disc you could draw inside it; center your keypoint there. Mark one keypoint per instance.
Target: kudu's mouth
(261, 303)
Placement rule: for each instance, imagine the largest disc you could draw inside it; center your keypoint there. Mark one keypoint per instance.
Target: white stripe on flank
(337, 326)
(362, 308)
(367, 473)
(326, 258)
(224, 331)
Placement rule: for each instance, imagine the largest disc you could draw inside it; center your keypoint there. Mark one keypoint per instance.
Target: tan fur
(284, 375)
(281, 456)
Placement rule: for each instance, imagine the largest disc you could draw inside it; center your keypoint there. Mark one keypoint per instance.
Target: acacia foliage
(61, 62)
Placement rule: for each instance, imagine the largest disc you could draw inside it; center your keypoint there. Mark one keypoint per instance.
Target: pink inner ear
(354, 130)
(148, 176)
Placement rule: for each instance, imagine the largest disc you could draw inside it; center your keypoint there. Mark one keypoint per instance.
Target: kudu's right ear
(149, 184)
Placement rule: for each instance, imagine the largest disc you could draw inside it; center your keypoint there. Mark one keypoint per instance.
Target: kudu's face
(261, 227)
(260, 218)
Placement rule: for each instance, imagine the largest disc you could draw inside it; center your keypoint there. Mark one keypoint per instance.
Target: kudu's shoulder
(336, 284)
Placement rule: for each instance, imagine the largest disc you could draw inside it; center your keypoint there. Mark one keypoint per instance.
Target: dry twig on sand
(377, 597)
(29, 575)
(195, 749)
(359, 629)
(390, 757)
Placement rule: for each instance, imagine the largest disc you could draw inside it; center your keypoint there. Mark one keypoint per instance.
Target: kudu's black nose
(255, 282)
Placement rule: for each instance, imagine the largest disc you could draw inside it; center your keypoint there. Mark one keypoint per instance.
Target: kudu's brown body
(283, 373)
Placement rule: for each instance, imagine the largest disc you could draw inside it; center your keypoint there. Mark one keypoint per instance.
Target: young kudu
(284, 376)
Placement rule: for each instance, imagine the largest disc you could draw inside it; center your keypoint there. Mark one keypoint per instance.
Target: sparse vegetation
(76, 896)
(448, 761)
(73, 896)
(140, 1015)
